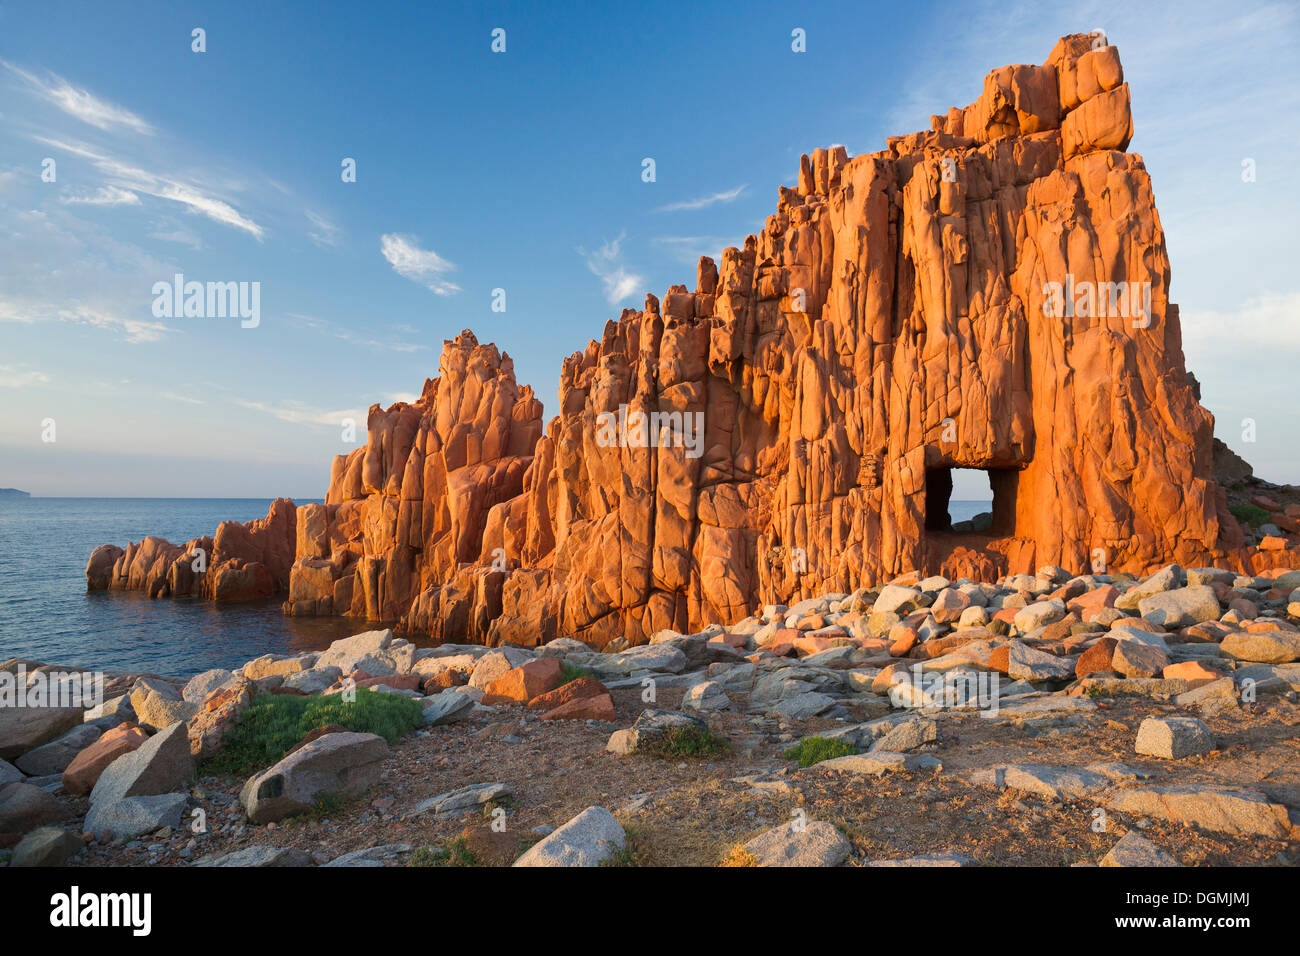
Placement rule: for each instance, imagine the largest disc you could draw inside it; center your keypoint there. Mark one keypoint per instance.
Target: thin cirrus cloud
(103, 196)
(689, 249)
(17, 376)
(322, 232)
(703, 202)
(419, 265)
(352, 338)
(81, 103)
(301, 413)
(127, 177)
(606, 263)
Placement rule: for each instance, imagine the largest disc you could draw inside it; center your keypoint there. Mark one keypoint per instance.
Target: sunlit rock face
(991, 293)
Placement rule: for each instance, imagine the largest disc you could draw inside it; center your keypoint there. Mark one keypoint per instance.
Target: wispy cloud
(300, 413)
(1270, 321)
(80, 103)
(126, 176)
(419, 265)
(134, 330)
(104, 196)
(322, 232)
(177, 234)
(17, 376)
(607, 263)
(347, 335)
(704, 201)
(688, 249)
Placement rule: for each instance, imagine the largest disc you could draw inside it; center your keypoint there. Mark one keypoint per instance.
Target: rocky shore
(1040, 719)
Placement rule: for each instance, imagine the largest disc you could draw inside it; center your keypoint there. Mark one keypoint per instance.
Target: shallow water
(46, 614)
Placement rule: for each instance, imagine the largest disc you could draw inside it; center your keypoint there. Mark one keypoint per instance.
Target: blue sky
(522, 171)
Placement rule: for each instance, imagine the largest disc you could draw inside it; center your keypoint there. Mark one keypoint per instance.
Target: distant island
(13, 493)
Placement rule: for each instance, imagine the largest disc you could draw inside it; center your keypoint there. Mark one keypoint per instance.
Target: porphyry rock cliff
(991, 293)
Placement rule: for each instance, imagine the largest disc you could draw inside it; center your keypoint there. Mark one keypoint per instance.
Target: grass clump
(631, 853)
(275, 722)
(569, 673)
(456, 853)
(739, 856)
(813, 750)
(691, 742)
(1252, 515)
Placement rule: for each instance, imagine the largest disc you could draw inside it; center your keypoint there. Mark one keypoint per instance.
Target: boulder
(55, 756)
(1095, 658)
(462, 798)
(1238, 811)
(24, 807)
(814, 843)
(259, 856)
(521, 684)
(1264, 647)
(1136, 850)
(708, 696)
(26, 728)
(1134, 658)
(159, 765)
(496, 664)
(201, 685)
(315, 680)
(1181, 607)
(158, 705)
(85, 768)
(573, 690)
(589, 839)
(908, 735)
(446, 708)
(342, 765)
(220, 712)
(375, 652)
(1173, 737)
(599, 707)
(47, 846)
(132, 817)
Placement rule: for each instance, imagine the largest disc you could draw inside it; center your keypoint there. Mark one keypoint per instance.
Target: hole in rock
(971, 501)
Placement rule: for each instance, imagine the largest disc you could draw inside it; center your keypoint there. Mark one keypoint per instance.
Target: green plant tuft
(1252, 515)
(813, 750)
(275, 722)
(456, 853)
(689, 742)
(569, 673)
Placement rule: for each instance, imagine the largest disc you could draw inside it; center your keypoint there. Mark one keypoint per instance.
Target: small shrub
(813, 750)
(456, 853)
(631, 853)
(275, 722)
(569, 673)
(683, 742)
(1252, 515)
(739, 856)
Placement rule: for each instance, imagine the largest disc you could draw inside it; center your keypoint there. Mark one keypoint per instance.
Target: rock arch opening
(998, 520)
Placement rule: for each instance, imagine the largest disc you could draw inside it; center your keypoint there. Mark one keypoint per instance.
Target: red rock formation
(991, 293)
(241, 562)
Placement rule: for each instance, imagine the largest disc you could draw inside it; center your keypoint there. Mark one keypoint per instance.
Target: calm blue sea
(46, 614)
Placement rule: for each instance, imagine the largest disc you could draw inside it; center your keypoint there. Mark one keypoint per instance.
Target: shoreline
(1105, 692)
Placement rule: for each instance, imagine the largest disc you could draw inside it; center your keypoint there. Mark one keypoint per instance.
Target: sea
(47, 615)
